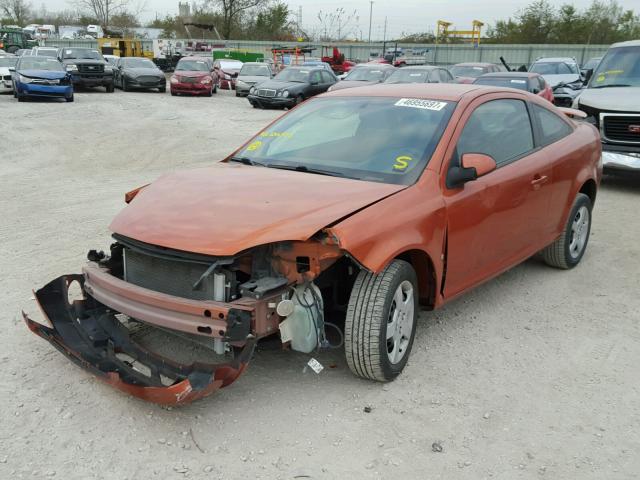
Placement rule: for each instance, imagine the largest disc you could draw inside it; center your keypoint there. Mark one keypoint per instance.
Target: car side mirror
(12, 69)
(588, 74)
(473, 165)
(535, 91)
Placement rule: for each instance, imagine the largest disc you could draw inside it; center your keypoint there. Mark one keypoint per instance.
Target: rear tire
(173, 94)
(380, 323)
(125, 86)
(215, 88)
(162, 89)
(109, 88)
(568, 249)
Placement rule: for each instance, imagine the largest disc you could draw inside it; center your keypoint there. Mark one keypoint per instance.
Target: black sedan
(291, 86)
(138, 73)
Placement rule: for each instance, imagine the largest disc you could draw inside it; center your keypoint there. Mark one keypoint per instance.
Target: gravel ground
(533, 375)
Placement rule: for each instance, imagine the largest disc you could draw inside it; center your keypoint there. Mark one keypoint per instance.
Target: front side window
(382, 139)
(552, 127)
(488, 131)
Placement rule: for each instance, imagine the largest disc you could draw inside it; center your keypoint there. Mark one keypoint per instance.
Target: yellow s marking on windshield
(254, 146)
(402, 162)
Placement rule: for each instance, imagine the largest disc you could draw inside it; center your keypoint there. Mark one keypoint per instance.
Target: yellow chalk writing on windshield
(402, 162)
(254, 146)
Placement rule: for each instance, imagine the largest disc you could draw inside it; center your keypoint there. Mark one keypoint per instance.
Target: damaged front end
(224, 303)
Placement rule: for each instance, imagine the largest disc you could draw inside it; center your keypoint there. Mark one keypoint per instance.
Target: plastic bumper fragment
(91, 336)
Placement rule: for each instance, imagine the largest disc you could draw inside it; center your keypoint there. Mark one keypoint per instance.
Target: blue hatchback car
(41, 77)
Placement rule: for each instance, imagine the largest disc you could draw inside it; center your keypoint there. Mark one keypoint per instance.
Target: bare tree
(338, 24)
(105, 10)
(232, 9)
(17, 10)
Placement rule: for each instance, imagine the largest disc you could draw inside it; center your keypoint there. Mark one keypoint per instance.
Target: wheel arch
(590, 189)
(425, 272)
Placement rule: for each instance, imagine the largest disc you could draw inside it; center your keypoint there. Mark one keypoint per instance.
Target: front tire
(110, 88)
(380, 323)
(567, 251)
(69, 99)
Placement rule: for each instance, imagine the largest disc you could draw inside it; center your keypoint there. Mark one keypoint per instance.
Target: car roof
(452, 92)
(474, 64)
(555, 59)
(419, 67)
(510, 74)
(376, 65)
(630, 43)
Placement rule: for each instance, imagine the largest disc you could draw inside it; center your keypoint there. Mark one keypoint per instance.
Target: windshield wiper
(613, 85)
(246, 161)
(305, 169)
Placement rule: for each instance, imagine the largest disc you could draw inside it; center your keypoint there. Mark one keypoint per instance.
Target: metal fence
(435, 54)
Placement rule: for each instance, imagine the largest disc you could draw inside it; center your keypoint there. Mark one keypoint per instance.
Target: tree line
(603, 22)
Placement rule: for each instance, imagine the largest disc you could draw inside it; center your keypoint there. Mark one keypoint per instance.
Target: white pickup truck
(612, 103)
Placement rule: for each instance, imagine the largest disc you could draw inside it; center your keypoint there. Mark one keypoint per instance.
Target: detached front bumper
(90, 334)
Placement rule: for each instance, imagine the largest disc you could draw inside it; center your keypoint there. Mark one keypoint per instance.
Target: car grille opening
(90, 68)
(265, 92)
(173, 277)
(621, 128)
(148, 79)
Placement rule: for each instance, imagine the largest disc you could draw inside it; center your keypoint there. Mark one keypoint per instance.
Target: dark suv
(87, 67)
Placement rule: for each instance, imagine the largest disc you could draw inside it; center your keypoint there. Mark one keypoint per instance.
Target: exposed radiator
(172, 277)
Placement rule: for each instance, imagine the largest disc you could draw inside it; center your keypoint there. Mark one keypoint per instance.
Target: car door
(328, 79)
(315, 82)
(496, 220)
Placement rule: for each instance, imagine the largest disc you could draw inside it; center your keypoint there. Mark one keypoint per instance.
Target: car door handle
(538, 181)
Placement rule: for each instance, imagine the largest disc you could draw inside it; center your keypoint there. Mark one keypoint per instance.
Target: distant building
(184, 9)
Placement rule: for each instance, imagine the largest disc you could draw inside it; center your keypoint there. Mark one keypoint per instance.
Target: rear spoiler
(573, 113)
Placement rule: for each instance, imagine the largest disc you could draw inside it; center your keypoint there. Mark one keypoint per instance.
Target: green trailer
(243, 56)
(12, 40)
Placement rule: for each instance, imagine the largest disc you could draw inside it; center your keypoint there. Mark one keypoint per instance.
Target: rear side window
(326, 77)
(552, 128)
(499, 128)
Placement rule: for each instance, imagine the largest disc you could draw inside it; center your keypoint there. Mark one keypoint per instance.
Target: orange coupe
(331, 226)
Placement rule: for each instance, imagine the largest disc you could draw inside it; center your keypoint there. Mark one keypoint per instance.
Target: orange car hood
(226, 208)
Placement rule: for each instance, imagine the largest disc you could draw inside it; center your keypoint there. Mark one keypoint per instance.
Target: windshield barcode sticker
(419, 103)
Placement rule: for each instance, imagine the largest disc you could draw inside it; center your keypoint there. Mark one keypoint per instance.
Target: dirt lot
(533, 375)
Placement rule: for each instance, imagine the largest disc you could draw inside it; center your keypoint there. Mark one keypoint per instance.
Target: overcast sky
(410, 16)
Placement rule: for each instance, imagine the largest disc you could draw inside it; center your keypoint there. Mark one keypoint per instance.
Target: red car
(529, 81)
(467, 72)
(193, 77)
(227, 71)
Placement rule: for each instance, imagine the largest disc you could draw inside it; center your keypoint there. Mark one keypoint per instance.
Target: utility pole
(299, 21)
(370, 16)
(384, 36)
